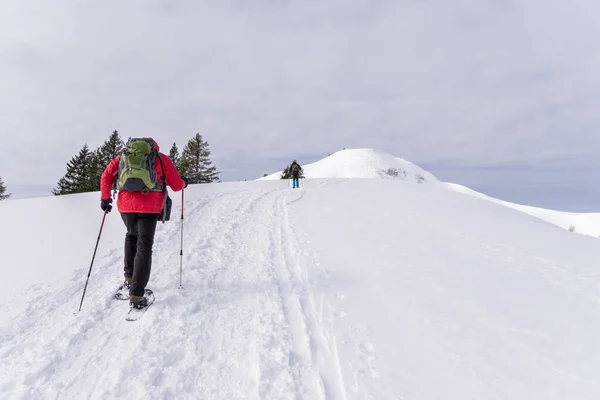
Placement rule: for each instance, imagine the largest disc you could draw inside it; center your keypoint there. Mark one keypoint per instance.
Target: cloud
(464, 83)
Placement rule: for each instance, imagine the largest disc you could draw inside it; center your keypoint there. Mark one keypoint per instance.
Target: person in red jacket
(140, 212)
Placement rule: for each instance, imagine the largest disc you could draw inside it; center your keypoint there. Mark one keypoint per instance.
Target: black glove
(185, 179)
(105, 205)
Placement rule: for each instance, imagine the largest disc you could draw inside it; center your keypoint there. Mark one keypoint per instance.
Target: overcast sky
(500, 95)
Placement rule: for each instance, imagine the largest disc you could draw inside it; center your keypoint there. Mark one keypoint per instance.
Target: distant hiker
(141, 174)
(295, 169)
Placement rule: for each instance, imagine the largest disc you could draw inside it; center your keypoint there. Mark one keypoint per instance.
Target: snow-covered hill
(344, 289)
(373, 163)
(362, 163)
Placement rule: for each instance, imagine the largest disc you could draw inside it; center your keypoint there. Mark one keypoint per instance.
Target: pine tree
(110, 149)
(94, 172)
(174, 155)
(195, 162)
(286, 173)
(104, 155)
(81, 176)
(3, 194)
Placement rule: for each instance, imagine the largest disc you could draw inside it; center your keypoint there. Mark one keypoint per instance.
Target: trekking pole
(94, 256)
(181, 248)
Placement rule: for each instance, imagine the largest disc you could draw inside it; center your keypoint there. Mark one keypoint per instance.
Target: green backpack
(136, 167)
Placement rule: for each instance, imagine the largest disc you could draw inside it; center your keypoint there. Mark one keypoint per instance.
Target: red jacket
(139, 202)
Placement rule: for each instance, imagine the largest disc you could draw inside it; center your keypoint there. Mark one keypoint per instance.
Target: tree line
(85, 168)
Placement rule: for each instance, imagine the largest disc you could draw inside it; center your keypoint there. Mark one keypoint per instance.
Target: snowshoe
(139, 304)
(122, 292)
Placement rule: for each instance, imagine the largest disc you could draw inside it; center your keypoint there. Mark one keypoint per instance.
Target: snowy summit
(362, 163)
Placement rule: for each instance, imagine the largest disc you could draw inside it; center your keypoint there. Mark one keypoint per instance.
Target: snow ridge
(378, 164)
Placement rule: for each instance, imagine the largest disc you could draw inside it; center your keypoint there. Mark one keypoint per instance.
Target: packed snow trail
(243, 326)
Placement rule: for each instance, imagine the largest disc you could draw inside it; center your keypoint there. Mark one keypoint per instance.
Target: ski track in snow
(245, 324)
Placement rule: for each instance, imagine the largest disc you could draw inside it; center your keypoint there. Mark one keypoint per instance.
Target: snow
(374, 163)
(584, 223)
(343, 289)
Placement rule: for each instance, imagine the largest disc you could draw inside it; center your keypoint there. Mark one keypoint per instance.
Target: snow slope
(372, 163)
(584, 223)
(344, 289)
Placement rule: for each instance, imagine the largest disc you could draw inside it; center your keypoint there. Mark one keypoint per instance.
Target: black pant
(138, 249)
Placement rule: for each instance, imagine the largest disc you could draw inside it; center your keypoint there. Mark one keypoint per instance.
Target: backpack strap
(164, 179)
(162, 167)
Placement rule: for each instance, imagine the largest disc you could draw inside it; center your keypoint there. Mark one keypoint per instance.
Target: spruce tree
(94, 168)
(3, 194)
(82, 173)
(195, 162)
(110, 149)
(174, 155)
(105, 154)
